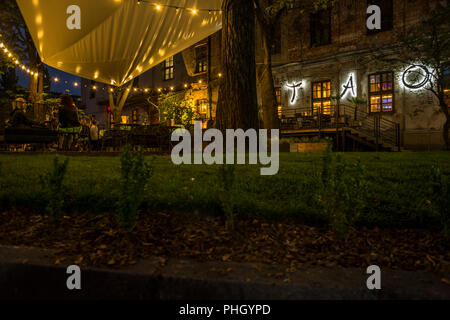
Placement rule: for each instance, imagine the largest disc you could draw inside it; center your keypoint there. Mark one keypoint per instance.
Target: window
(201, 59)
(280, 107)
(321, 97)
(387, 13)
(381, 92)
(276, 44)
(447, 85)
(320, 28)
(168, 69)
(202, 107)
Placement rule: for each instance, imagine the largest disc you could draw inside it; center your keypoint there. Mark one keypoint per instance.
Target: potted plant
(356, 102)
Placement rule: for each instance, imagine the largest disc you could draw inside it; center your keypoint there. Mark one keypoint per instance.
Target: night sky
(61, 85)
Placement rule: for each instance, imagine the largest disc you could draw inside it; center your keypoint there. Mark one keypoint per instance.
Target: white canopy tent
(118, 39)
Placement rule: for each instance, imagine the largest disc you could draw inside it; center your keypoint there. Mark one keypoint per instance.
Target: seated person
(19, 117)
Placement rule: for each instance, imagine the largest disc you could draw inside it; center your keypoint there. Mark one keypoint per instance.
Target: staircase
(351, 128)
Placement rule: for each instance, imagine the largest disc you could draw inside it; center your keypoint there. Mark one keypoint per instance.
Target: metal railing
(372, 126)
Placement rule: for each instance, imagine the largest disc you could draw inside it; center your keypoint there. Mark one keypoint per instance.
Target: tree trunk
(36, 87)
(237, 106)
(266, 84)
(117, 105)
(446, 133)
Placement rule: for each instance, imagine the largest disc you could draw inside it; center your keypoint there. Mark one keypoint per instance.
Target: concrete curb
(24, 281)
(29, 273)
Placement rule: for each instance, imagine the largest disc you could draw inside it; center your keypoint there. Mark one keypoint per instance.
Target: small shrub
(226, 197)
(344, 193)
(440, 197)
(135, 174)
(53, 188)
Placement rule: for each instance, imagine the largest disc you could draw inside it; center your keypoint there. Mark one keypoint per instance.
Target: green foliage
(53, 188)
(179, 107)
(135, 174)
(345, 192)
(15, 33)
(398, 184)
(356, 101)
(439, 188)
(227, 179)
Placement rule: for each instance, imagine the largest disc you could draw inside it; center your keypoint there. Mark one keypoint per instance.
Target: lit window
(447, 85)
(202, 106)
(381, 92)
(168, 69)
(322, 97)
(280, 107)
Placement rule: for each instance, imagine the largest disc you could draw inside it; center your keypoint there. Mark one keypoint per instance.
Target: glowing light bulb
(194, 11)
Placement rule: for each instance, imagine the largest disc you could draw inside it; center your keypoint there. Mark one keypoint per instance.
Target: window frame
(321, 99)
(278, 95)
(446, 85)
(199, 103)
(316, 20)
(201, 60)
(381, 92)
(169, 66)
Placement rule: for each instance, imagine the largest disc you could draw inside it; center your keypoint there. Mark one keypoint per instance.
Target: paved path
(31, 273)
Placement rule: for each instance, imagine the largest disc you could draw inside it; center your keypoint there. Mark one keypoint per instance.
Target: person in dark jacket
(18, 116)
(68, 122)
(68, 115)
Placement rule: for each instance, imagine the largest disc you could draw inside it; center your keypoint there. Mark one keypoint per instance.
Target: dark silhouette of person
(68, 115)
(68, 119)
(18, 116)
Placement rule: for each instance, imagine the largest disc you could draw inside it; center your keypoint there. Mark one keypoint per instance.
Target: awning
(117, 40)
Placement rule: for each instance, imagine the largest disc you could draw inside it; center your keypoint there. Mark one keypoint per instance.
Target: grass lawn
(401, 188)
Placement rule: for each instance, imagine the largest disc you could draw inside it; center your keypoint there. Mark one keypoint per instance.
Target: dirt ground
(99, 241)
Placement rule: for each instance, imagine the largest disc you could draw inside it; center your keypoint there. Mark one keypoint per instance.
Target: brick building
(320, 53)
